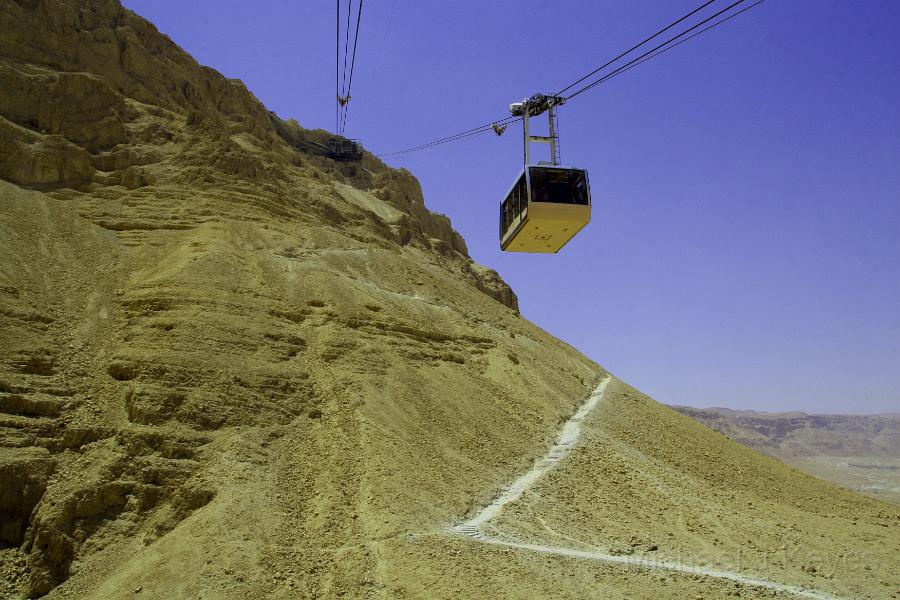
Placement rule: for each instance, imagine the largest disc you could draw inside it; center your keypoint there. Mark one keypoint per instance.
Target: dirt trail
(566, 441)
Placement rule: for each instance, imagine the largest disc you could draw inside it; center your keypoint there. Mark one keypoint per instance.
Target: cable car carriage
(345, 150)
(548, 204)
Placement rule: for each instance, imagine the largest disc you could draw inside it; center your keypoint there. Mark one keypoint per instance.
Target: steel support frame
(552, 139)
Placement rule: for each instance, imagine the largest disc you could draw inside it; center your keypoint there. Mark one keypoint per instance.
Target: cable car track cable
(344, 73)
(458, 137)
(635, 47)
(461, 135)
(469, 132)
(650, 54)
(487, 127)
(646, 56)
(352, 65)
(631, 66)
(337, 67)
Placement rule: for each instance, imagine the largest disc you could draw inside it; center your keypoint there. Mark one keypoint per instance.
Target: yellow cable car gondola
(548, 204)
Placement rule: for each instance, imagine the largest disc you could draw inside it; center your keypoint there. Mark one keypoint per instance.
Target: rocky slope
(861, 452)
(230, 368)
(650, 482)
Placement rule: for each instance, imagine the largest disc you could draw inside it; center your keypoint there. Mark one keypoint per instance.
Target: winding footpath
(566, 441)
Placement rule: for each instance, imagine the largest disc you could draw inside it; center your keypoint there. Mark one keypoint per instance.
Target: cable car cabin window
(514, 205)
(559, 185)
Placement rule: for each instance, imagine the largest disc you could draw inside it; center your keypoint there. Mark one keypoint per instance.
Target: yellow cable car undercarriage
(545, 227)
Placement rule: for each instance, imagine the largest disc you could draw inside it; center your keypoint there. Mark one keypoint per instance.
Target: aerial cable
(635, 47)
(448, 140)
(459, 137)
(634, 61)
(343, 99)
(495, 127)
(650, 54)
(352, 64)
(643, 60)
(503, 122)
(468, 132)
(337, 68)
(439, 142)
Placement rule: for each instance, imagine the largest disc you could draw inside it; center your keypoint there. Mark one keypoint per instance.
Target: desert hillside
(861, 452)
(230, 368)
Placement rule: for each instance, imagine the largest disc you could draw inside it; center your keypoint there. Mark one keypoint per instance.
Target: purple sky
(745, 243)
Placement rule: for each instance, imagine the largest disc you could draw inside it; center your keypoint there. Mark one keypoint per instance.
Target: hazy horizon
(788, 412)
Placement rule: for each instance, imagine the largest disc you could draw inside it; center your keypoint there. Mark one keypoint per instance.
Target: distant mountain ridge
(802, 434)
(859, 452)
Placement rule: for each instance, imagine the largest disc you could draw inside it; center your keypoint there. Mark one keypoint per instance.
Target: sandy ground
(478, 526)
(667, 489)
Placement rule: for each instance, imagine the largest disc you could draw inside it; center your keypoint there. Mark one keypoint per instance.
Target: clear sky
(745, 243)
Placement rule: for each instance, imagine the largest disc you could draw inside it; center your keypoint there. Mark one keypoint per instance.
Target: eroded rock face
(42, 162)
(128, 477)
(81, 107)
(23, 478)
